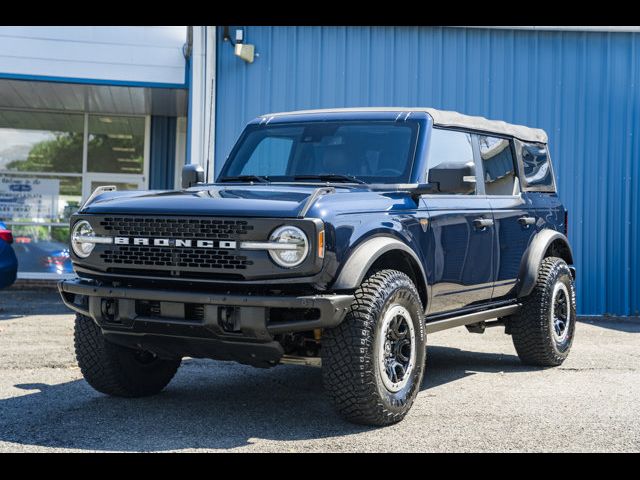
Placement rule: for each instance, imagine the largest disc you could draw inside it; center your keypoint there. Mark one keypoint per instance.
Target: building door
(117, 153)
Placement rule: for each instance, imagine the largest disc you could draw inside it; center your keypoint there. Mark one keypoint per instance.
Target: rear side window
(537, 171)
(498, 166)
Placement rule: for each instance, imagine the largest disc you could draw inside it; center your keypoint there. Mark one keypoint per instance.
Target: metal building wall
(583, 88)
(162, 152)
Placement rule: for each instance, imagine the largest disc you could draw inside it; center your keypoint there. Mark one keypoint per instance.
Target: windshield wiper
(246, 178)
(330, 177)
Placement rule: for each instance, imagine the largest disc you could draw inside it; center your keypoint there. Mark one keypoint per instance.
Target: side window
(498, 166)
(536, 167)
(451, 149)
(270, 157)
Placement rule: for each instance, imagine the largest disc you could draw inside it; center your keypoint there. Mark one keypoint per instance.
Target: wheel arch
(379, 253)
(546, 243)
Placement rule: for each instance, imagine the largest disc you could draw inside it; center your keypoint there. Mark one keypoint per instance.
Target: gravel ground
(476, 396)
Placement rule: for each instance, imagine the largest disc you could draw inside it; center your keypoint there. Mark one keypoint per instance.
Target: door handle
(526, 221)
(482, 223)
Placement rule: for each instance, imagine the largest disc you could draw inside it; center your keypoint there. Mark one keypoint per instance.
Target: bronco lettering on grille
(175, 242)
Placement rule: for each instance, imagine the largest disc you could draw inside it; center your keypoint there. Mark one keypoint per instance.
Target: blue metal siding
(583, 88)
(163, 152)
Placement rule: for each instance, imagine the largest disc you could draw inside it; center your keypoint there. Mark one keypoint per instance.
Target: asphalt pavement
(476, 396)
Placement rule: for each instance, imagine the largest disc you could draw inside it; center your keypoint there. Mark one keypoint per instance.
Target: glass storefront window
(44, 177)
(116, 144)
(41, 142)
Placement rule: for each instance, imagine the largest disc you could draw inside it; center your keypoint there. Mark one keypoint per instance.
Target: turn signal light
(321, 244)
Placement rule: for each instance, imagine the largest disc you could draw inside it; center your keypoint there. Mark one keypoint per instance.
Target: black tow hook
(228, 319)
(109, 309)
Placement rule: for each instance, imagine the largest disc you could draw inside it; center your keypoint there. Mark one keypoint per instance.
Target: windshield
(371, 152)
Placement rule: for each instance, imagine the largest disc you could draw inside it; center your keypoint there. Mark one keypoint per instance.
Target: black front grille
(184, 248)
(168, 257)
(157, 260)
(201, 228)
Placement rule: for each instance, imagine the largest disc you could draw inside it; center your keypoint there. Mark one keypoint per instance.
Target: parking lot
(476, 396)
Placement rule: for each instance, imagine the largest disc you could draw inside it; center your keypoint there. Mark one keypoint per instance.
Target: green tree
(62, 154)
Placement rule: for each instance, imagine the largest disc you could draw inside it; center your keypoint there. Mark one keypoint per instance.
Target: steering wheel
(392, 171)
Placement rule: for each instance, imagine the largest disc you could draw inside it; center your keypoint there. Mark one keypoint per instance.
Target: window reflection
(41, 142)
(537, 173)
(116, 144)
(498, 166)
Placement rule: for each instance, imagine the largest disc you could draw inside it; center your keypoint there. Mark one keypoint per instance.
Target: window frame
(524, 186)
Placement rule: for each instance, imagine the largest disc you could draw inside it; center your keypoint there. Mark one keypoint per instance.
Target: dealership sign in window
(32, 198)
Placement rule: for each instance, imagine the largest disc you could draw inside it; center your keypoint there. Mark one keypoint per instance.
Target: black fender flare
(533, 256)
(365, 255)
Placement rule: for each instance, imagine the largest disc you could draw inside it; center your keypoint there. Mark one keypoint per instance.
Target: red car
(8, 260)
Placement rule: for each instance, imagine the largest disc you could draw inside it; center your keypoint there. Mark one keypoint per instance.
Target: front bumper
(201, 324)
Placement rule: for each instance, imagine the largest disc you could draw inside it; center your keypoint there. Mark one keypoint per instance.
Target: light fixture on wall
(245, 51)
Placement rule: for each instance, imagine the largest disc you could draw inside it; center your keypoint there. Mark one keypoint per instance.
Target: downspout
(210, 77)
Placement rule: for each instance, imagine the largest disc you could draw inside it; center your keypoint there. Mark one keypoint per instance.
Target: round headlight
(295, 246)
(80, 248)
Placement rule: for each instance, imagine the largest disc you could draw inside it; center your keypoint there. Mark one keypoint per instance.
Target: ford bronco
(340, 238)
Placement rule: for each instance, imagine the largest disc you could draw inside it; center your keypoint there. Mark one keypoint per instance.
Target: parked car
(47, 256)
(8, 260)
(340, 238)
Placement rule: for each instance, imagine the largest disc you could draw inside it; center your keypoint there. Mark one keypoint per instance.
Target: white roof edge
(445, 118)
(454, 119)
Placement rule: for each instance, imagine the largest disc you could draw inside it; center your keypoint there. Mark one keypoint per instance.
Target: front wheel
(117, 370)
(543, 330)
(373, 362)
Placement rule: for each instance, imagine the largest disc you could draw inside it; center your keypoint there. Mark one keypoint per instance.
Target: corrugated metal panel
(163, 152)
(583, 88)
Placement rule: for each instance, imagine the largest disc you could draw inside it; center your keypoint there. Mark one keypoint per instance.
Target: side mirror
(453, 177)
(192, 174)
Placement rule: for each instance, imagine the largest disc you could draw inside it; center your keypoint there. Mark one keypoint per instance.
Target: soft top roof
(445, 118)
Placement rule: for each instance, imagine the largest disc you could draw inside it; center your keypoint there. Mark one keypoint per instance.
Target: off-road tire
(532, 326)
(116, 370)
(350, 370)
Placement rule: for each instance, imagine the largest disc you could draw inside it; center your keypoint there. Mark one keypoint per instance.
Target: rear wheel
(373, 362)
(544, 328)
(116, 370)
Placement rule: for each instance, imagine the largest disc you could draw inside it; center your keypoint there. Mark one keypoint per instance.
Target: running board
(469, 318)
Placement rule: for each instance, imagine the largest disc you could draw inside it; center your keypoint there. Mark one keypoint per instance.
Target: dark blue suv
(339, 238)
